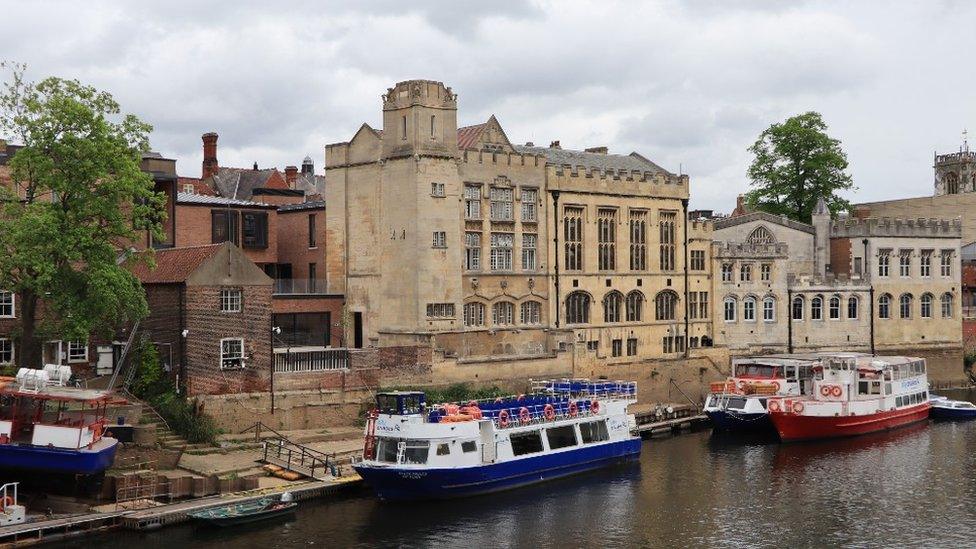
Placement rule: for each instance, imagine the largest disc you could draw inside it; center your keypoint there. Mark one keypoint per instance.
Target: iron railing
(310, 360)
(300, 459)
(300, 286)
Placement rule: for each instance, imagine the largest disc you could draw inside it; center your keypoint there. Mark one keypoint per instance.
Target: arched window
(884, 306)
(577, 308)
(613, 302)
(749, 309)
(905, 306)
(760, 235)
(635, 306)
(952, 183)
(926, 305)
(530, 312)
(833, 310)
(816, 308)
(798, 307)
(503, 313)
(852, 306)
(474, 314)
(664, 305)
(769, 308)
(947, 305)
(729, 306)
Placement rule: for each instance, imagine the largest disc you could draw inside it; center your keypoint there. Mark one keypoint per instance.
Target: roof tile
(175, 264)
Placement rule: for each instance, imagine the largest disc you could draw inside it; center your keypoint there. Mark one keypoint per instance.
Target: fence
(305, 360)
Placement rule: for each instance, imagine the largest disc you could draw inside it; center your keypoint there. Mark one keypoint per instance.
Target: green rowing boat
(241, 513)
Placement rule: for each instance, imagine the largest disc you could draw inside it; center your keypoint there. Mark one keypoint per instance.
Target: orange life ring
(776, 385)
(520, 398)
(797, 407)
(549, 412)
(498, 400)
(573, 409)
(825, 390)
(452, 409)
(7, 501)
(471, 411)
(774, 406)
(503, 418)
(595, 407)
(473, 403)
(524, 416)
(742, 384)
(836, 390)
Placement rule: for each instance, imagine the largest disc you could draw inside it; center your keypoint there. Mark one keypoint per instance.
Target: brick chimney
(554, 145)
(740, 206)
(209, 155)
(291, 175)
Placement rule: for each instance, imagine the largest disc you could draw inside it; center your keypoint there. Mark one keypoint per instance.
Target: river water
(911, 487)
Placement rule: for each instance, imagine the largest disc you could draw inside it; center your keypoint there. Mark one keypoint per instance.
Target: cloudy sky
(688, 84)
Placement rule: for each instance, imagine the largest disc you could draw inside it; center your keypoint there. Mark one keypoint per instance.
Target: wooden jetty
(44, 531)
(664, 419)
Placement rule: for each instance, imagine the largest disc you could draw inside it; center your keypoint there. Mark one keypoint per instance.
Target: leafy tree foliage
(796, 163)
(75, 203)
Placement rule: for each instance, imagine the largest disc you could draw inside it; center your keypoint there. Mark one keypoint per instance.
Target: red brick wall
(293, 242)
(311, 304)
(969, 275)
(194, 228)
(10, 328)
(164, 323)
(207, 326)
(840, 255)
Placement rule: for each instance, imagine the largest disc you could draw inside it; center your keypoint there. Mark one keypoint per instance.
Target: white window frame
(769, 309)
(765, 272)
(12, 351)
(440, 310)
(472, 251)
(502, 245)
(529, 200)
(831, 309)
(530, 243)
(77, 351)
(228, 300)
(530, 312)
(4, 304)
(904, 263)
(224, 356)
(501, 203)
(884, 263)
(506, 308)
(474, 314)
(437, 190)
(925, 263)
(728, 273)
(729, 308)
(945, 263)
(439, 239)
(472, 202)
(749, 309)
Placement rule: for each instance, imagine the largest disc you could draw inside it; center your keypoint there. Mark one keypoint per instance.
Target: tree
(796, 163)
(76, 202)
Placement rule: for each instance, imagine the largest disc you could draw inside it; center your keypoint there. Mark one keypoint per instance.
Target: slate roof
(199, 187)
(568, 157)
(311, 184)
(175, 265)
(239, 182)
(467, 136)
(310, 205)
(188, 198)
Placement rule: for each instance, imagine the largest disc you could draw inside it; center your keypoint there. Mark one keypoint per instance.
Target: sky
(689, 84)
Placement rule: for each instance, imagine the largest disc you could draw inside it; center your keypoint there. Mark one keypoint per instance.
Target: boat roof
(868, 362)
(68, 394)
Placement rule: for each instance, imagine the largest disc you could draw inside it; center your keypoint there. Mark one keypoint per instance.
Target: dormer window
(188, 188)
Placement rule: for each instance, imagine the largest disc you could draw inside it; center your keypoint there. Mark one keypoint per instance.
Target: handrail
(284, 446)
(693, 403)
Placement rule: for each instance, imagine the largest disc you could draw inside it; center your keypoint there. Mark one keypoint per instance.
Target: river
(911, 487)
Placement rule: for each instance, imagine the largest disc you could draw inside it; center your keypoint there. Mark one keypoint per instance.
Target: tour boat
(47, 427)
(739, 403)
(564, 427)
(854, 395)
(944, 408)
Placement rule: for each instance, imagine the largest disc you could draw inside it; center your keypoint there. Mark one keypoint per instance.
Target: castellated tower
(419, 118)
(955, 173)
(820, 219)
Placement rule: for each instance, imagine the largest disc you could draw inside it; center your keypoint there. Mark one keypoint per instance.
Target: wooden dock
(43, 531)
(666, 420)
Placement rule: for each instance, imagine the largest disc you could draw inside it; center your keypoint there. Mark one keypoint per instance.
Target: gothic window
(693, 305)
(573, 235)
(765, 272)
(607, 238)
(638, 240)
(946, 263)
(816, 308)
(926, 305)
(503, 313)
(769, 309)
(905, 306)
(726, 272)
(577, 308)
(947, 305)
(697, 262)
(703, 309)
(884, 306)
(925, 263)
(797, 307)
(745, 273)
(749, 309)
(612, 304)
(474, 314)
(668, 220)
(635, 304)
(884, 262)
(665, 304)
(833, 309)
(531, 312)
(729, 309)
(852, 306)
(760, 235)
(952, 183)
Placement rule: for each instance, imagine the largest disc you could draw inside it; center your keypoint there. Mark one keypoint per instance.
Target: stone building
(459, 239)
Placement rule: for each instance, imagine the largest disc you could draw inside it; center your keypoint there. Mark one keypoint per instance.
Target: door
(357, 326)
(52, 353)
(487, 432)
(106, 360)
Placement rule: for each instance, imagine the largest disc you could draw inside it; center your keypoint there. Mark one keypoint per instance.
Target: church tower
(419, 118)
(955, 173)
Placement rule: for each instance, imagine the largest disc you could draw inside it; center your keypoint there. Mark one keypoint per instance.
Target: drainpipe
(555, 240)
(789, 320)
(684, 208)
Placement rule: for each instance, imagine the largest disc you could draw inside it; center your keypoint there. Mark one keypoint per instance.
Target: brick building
(210, 317)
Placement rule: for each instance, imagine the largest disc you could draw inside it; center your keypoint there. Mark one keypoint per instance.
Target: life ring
(742, 384)
(825, 390)
(7, 501)
(836, 390)
(776, 386)
(472, 404)
(524, 416)
(498, 400)
(595, 407)
(452, 409)
(774, 406)
(520, 398)
(573, 409)
(549, 412)
(797, 407)
(503, 418)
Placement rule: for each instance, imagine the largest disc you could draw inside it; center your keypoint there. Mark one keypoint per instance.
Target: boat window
(526, 443)
(594, 431)
(561, 437)
(386, 404)
(897, 401)
(386, 450)
(444, 449)
(758, 370)
(469, 446)
(416, 451)
(862, 388)
(411, 404)
(736, 403)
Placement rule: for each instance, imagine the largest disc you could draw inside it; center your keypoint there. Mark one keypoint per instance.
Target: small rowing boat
(249, 511)
(944, 408)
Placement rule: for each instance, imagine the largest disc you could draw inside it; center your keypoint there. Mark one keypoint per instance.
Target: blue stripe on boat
(59, 460)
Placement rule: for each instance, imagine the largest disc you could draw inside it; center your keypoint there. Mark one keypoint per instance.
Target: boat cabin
(401, 403)
(59, 417)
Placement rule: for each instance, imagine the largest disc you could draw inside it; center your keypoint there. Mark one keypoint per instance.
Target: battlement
(660, 178)
(956, 157)
(700, 228)
(894, 226)
(743, 250)
(502, 158)
(826, 284)
(427, 93)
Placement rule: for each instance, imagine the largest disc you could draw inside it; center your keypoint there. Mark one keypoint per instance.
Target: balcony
(310, 359)
(969, 312)
(300, 286)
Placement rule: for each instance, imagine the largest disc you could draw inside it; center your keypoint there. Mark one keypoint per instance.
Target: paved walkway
(245, 461)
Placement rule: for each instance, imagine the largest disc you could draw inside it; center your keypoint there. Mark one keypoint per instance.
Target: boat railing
(528, 414)
(586, 388)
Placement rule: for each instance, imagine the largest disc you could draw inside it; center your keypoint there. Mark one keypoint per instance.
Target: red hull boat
(793, 427)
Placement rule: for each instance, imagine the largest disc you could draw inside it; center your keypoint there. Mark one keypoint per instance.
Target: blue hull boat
(943, 408)
(26, 457)
(393, 484)
(725, 420)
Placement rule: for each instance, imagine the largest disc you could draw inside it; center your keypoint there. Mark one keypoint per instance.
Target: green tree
(796, 163)
(76, 203)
